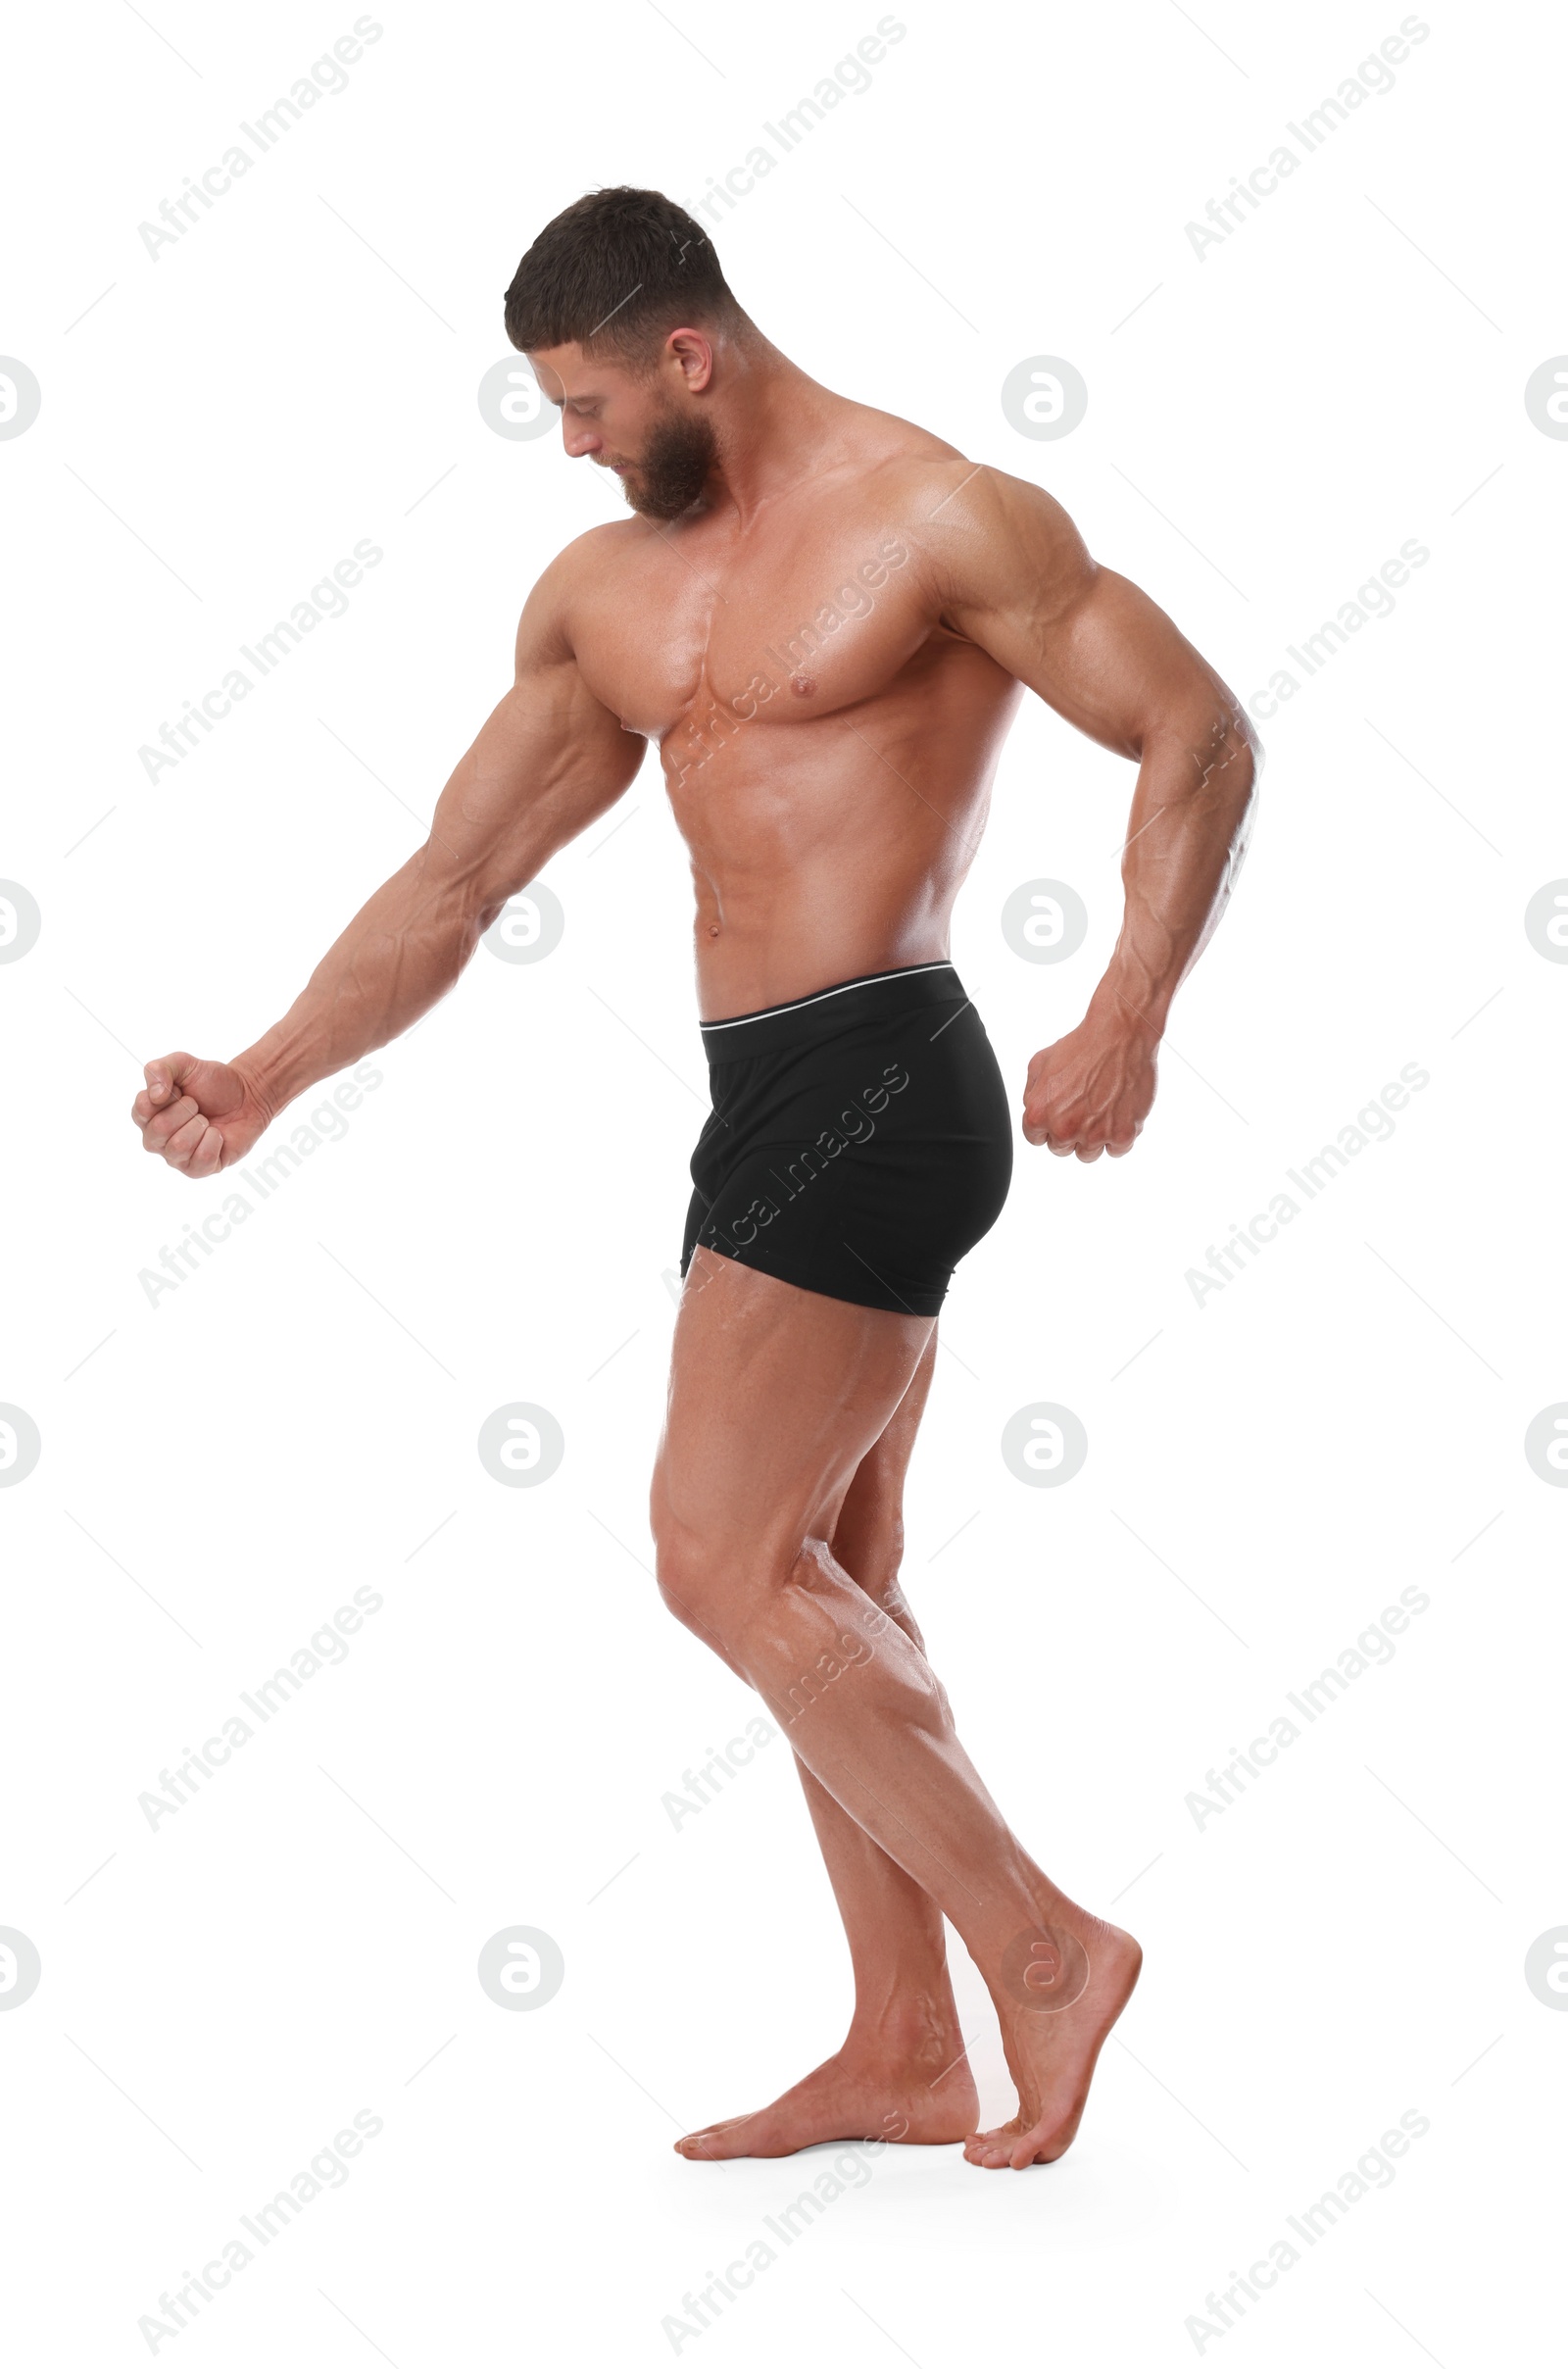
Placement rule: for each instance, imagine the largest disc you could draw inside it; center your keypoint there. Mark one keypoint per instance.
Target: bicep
(548, 761)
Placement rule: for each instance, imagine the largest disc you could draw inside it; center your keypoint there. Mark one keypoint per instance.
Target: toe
(706, 2145)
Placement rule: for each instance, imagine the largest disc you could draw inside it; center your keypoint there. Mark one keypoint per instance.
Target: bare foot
(851, 2098)
(1091, 1967)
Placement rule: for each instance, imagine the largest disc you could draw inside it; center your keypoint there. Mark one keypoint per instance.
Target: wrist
(1131, 1004)
(262, 1078)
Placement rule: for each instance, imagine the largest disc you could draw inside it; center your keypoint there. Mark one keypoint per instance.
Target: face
(648, 430)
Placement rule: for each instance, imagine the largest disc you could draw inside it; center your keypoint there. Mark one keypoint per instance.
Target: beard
(673, 469)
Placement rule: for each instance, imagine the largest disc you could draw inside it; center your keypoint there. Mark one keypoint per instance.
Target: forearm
(1185, 836)
(547, 761)
(397, 957)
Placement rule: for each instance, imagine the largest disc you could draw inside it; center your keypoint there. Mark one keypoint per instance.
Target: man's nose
(579, 438)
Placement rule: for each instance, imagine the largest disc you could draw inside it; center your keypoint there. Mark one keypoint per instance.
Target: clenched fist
(200, 1116)
(1091, 1090)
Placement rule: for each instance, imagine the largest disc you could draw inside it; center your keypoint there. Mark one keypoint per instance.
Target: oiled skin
(829, 741)
(831, 797)
(831, 682)
(827, 650)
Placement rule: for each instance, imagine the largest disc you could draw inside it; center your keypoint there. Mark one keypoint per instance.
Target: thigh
(776, 1397)
(869, 1533)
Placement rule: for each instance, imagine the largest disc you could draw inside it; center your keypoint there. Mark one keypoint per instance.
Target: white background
(222, 1468)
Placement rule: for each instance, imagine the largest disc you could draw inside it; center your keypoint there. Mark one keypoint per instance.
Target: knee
(692, 1574)
(688, 1583)
(725, 1586)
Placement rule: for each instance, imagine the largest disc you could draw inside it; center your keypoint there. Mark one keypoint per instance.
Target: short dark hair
(614, 274)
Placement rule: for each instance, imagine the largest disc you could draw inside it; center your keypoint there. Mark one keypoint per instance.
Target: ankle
(920, 2029)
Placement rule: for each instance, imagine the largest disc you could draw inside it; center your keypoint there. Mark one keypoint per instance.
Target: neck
(771, 421)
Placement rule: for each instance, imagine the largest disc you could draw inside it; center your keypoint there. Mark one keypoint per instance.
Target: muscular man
(822, 618)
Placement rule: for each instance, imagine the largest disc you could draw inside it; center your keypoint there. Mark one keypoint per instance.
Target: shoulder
(581, 569)
(957, 498)
(983, 535)
(970, 521)
(591, 559)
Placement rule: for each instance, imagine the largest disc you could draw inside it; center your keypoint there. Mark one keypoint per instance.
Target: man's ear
(692, 353)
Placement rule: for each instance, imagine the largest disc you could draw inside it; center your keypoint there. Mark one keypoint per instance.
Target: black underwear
(859, 1143)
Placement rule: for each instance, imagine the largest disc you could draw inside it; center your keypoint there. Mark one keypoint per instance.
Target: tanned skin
(826, 645)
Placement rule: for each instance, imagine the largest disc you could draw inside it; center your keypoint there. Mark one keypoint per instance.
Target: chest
(770, 626)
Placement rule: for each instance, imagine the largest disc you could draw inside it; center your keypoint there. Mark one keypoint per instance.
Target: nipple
(801, 685)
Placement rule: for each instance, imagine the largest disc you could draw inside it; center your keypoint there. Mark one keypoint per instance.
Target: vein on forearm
(1179, 863)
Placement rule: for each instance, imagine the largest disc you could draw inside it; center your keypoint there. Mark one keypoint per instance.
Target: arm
(1014, 576)
(548, 761)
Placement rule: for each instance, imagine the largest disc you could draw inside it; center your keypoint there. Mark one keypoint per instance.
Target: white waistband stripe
(773, 1012)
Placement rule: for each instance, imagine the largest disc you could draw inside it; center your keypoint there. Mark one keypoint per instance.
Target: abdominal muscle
(803, 944)
(832, 847)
